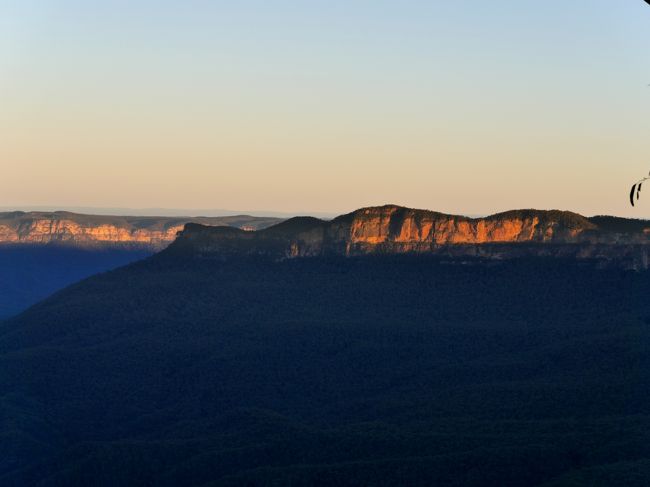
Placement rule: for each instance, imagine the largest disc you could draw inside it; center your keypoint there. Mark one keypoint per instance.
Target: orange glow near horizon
(301, 110)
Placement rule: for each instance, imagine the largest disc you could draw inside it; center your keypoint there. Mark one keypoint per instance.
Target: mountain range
(80, 230)
(348, 352)
(392, 229)
(42, 252)
(388, 229)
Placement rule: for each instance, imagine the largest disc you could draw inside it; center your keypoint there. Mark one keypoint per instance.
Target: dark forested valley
(376, 370)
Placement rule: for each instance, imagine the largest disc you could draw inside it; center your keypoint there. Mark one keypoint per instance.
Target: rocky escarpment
(394, 229)
(71, 228)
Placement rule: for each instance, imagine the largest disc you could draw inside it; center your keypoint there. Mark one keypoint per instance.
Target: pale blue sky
(459, 106)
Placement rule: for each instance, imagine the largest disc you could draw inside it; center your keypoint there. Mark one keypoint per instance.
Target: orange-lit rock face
(385, 225)
(386, 229)
(61, 230)
(77, 229)
(392, 229)
(8, 234)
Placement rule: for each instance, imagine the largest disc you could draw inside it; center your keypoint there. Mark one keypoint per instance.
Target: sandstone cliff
(76, 229)
(394, 229)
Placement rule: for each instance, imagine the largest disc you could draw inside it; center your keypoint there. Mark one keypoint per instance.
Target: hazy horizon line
(218, 212)
(166, 212)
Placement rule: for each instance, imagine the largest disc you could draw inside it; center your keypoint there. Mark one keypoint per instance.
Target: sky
(325, 106)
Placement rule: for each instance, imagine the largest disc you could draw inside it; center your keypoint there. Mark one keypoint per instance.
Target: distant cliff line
(395, 229)
(66, 228)
(384, 229)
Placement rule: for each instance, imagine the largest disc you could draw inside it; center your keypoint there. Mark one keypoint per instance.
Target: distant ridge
(63, 227)
(167, 212)
(396, 229)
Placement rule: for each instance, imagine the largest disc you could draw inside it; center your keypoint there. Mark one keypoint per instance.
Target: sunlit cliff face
(45, 231)
(385, 229)
(76, 229)
(394, 230)
(388, 224)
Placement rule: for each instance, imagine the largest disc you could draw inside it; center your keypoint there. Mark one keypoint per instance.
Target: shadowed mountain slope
(380, 370)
